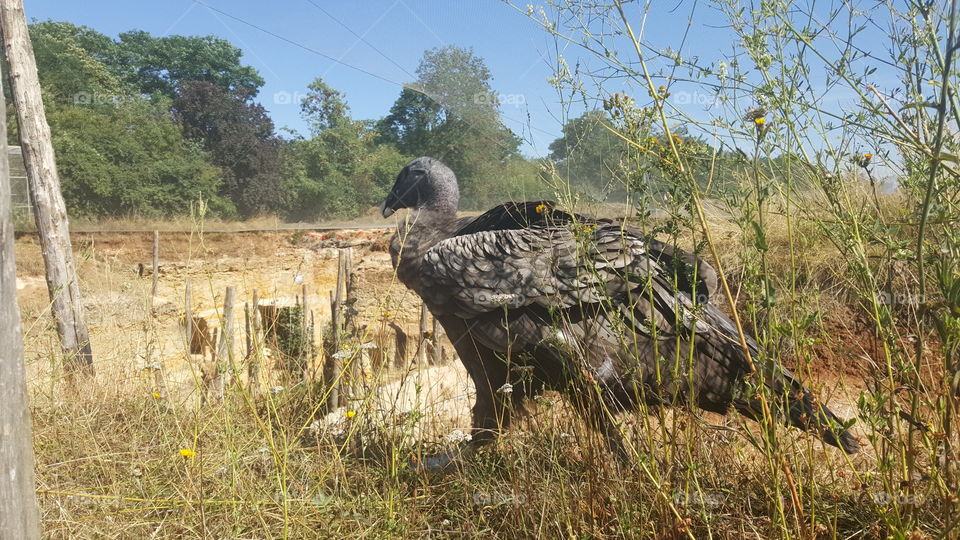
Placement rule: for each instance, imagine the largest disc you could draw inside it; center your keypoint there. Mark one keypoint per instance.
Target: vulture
(534, 299)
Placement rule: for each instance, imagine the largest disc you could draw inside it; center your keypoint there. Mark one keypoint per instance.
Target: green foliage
(161, 64)
(239, 136)
(130, 159)
(74, 62)
(451, 113)
(324, 107)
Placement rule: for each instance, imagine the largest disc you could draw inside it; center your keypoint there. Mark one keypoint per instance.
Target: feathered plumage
(590, 307)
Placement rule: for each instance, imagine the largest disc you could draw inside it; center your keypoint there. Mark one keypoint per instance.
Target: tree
(162, 64)
(343, 169)
(452, 113)
(589, 155)
(131, 159)
(74, 63)
(240, 138)
(323, 107)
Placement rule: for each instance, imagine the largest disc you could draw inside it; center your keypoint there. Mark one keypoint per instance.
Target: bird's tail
(789, 400)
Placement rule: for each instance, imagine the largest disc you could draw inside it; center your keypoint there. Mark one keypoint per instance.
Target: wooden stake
(188, 321)
(156, 262)
(437, 349)
(19, 515)
(422, 349)
(49, 210)
(253, 355)
(225, 349)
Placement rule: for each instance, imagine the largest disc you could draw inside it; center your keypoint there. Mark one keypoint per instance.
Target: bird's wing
(519, 215)
(589, 268)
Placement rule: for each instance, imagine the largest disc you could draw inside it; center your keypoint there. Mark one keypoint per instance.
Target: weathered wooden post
(19, 516)
(437, 349)
(49, 210)
(225, 348)
(422, 355)
(189, 332)
(156, 262)
(254, 347)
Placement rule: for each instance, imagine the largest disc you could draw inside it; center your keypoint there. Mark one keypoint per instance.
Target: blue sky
(395, 34)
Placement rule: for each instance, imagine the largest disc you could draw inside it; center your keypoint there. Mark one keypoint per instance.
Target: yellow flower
(156, 395)
(187, 453)
(867, 156)
(350, 414)
(760, 120)
(541, 208)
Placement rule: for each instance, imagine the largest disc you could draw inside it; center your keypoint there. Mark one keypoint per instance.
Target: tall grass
(805, 238)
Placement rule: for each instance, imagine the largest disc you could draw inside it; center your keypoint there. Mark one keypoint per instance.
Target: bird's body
(534, 298)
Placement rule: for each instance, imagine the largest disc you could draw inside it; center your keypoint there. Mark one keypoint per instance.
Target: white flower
(276, 389)
(457, 436)
(507, 388)
(298, 279)
(314, 428)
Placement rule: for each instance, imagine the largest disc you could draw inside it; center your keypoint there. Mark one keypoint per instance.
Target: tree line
(144, 126)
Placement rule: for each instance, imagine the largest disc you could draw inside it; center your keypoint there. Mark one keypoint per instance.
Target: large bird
(534, 298)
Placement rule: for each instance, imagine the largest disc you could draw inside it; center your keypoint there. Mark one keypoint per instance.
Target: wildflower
(324, 237)
(457, 436)
(864, 160)
(276, 389)
(156, 395)
(760, 121)
(507, 388)
(187, 453)
(350, 414)
(541, 208)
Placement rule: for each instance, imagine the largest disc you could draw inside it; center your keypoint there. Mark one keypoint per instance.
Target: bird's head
(423, 183)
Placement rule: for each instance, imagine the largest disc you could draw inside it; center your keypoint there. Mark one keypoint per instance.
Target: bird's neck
(421, 230)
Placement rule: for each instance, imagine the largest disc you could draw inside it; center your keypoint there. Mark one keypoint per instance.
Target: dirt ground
(132, 331)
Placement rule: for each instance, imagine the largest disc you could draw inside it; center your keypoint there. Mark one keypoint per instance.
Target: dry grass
(110, 463)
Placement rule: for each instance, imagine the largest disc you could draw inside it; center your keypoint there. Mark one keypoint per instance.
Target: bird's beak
(386, 210)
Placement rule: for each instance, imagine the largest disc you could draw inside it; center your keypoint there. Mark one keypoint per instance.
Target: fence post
(156, 262)
(225, 349)
(19, 516)
(50, 212)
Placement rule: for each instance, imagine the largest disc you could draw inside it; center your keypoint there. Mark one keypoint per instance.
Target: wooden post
(332, 374)
(188, 321)
(156, 262)
(422, 349)
(49, 210)
(19, 516)
(400, 346)
(437, 349)
(306, 333)
(253, 358)
(225, 349)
